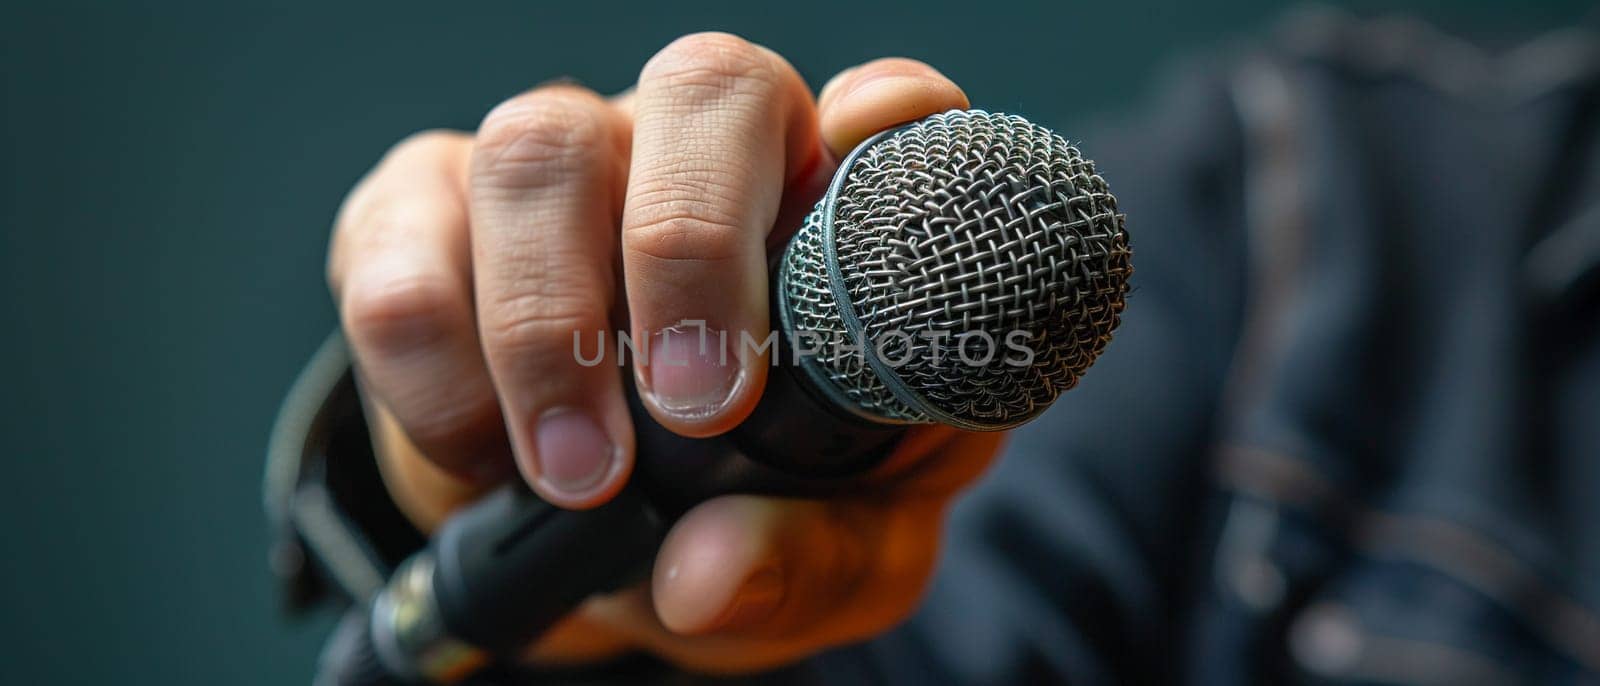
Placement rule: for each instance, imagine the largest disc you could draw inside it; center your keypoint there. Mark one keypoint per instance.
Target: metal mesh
(966, 226)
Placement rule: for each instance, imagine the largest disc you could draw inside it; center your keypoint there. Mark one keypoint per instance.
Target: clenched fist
(463, 264)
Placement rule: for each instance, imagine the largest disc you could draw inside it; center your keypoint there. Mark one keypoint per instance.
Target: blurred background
(171, 171)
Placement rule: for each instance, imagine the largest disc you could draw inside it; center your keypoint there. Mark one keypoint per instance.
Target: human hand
(464, 263)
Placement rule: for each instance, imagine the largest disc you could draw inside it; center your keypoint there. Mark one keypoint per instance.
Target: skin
(463, 263)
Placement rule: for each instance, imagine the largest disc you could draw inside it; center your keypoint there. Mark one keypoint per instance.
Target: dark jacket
(1350, 428)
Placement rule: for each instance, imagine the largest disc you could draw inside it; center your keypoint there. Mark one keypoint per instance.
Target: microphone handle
(502, 571)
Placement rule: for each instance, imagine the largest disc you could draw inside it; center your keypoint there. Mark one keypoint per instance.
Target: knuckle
(436, 420)
(539, 138)
(426, 144)
(398, 314)
(357, 204)
(684, 229)
(367, 207)
(711, 63)
(538, 328)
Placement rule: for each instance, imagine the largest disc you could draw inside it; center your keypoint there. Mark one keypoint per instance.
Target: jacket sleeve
(1067, 562)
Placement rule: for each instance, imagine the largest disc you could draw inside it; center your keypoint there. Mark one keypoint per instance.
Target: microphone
(965, 269)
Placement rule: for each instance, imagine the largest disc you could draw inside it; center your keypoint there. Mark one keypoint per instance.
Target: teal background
(170, 173)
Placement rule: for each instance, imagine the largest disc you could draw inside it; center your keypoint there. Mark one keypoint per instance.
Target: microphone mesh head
(965, 269)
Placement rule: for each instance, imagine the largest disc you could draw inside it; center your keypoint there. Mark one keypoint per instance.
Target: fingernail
(692, 373)
(574, 454)
(755, 601)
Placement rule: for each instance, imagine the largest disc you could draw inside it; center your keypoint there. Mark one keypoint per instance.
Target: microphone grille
(965, 269)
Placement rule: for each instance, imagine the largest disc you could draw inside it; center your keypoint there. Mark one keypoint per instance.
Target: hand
(463, 264)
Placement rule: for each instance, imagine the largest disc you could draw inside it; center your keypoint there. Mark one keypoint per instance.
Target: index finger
(720, 126)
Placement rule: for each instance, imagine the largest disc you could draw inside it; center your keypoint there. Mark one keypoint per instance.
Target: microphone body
(500, 572)
(965, 223)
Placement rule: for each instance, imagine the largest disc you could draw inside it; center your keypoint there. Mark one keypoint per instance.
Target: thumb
(854, 104)
(864, 100)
